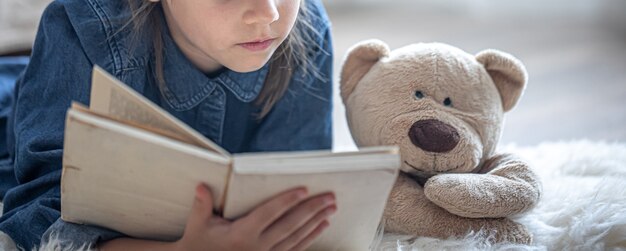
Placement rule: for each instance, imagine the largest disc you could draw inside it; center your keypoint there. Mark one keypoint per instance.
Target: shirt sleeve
(59, 72)
(302, 118)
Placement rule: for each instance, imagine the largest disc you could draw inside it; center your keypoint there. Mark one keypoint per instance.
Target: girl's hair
(293, 52)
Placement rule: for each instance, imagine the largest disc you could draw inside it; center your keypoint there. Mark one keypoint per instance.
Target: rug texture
(583, 205)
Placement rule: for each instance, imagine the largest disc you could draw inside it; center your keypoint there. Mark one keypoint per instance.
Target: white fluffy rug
(583, 205)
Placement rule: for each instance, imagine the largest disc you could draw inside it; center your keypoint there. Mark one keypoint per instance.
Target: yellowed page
(133, 181)
(361, 183)
(177, 137)
(257, 159)
(112, 98)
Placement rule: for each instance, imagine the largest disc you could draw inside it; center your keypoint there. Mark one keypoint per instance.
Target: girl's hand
(285, 222)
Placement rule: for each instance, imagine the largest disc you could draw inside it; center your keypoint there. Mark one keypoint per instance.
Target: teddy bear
(444, 109)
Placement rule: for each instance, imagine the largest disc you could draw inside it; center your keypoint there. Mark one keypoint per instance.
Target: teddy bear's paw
(460, 194)
(476, 195)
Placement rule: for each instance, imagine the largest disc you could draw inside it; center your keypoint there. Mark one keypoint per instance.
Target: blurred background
(574, 51)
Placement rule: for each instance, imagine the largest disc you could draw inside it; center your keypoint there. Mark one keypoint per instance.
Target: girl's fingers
(205, 200)
(264, 215)
(311, 211)
(202, 209)
(294, 238)
(200, 215)
(305, 242)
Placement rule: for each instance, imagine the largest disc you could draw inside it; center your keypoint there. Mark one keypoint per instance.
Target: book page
(361, 183)
(263, 162)
(83, 109)
(133, 181)
(112, 98)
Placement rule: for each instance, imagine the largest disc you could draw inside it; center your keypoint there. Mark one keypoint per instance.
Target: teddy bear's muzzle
(432, 135)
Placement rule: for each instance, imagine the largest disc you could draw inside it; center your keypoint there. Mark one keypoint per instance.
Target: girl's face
(241, 35)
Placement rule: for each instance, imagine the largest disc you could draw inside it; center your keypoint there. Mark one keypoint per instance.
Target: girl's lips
(258, 46)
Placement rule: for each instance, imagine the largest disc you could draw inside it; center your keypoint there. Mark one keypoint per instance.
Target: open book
(130, 166)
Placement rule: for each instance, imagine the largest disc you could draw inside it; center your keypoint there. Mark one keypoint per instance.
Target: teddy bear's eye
(419, 94)
(447, 102)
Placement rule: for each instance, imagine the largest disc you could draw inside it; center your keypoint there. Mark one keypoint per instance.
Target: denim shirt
(73, 36)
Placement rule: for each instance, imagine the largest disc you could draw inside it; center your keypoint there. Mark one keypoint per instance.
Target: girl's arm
(59, 72)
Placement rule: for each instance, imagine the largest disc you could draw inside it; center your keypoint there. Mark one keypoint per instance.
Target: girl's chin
(246, 68)
(250, 65)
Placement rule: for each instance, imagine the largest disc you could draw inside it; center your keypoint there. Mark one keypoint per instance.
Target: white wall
(504, 7)
(18, 23)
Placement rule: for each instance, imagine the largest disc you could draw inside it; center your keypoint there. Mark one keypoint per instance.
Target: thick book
(130, 166)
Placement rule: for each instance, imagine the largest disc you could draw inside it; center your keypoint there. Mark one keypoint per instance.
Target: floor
(576, 61)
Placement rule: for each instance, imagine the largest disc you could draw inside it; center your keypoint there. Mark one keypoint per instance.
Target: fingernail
(199, 188)
(330, 210)
(301, 193)
(325, 224)
(199, 191)
(329, 199)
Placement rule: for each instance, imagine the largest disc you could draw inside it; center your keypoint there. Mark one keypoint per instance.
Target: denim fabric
(10, 69)
(73, 36)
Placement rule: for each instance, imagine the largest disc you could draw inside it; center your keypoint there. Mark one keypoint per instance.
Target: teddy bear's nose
(432, 135)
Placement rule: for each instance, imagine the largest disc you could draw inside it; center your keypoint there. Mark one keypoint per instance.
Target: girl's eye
(447, 102)
(419, 94)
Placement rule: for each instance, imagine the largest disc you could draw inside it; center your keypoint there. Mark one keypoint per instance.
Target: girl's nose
(261, 12)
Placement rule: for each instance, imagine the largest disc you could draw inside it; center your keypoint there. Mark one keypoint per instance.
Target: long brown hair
(290, 54)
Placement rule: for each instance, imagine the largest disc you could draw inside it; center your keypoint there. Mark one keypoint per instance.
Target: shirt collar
(186, 86)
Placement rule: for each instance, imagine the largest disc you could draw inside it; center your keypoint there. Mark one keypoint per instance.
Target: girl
(251, 75)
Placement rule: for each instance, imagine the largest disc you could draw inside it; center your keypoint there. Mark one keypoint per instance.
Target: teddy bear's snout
(432, 135)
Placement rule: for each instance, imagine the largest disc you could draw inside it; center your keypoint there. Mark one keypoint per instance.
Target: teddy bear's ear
(507, 72)
(360, 58)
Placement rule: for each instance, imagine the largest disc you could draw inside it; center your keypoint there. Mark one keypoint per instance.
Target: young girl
(251, 75)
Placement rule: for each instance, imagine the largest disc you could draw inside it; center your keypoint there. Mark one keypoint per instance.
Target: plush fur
(444, 108)
(583, 206)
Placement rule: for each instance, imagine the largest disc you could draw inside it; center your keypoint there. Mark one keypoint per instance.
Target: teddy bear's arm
(504, 187)
(408, 211)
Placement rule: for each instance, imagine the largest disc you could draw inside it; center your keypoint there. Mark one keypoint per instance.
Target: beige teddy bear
(444, 108)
